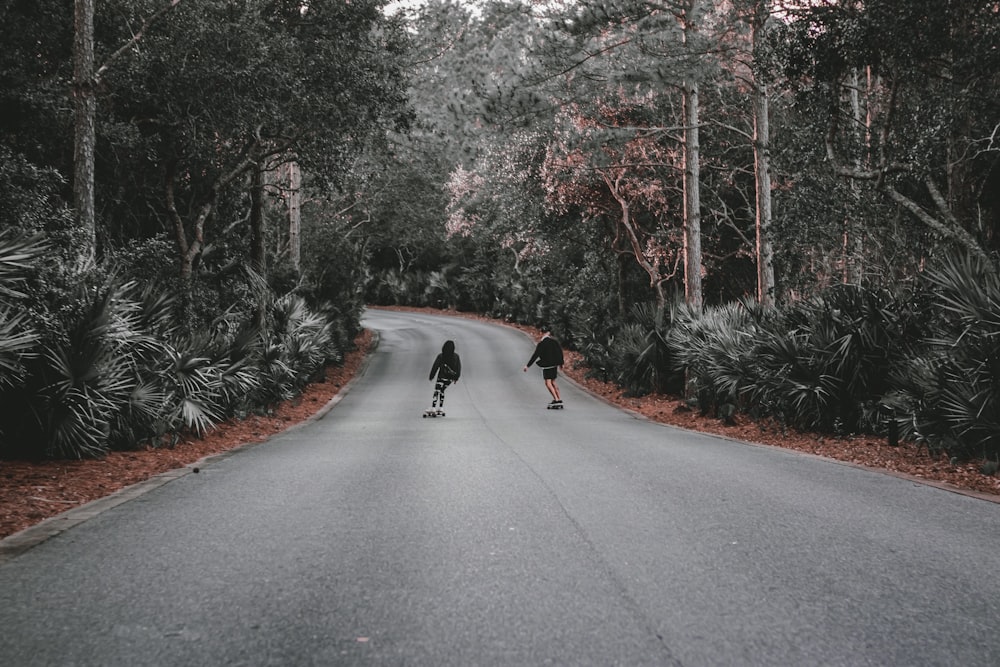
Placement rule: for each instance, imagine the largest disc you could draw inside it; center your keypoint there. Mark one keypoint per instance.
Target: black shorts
(550, 373)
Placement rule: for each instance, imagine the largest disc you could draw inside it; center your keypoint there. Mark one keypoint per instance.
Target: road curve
(508, 534)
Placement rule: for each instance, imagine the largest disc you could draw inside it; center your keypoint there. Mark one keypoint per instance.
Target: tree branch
(156, 16)
(954, 232)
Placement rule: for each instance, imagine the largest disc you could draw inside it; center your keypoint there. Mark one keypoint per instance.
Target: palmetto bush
(299, 346)
(115, 378)
(77, 382)
(112, 368)
(640, 355)
(716, 349)
(186, 381)
(825, 363)
(194, 388)
(948, 393)
(440, 290)
(593, 337)
(17, 336)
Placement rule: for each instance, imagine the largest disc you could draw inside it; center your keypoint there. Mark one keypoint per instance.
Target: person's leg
(550, 383)
(553, 389)
(444, 385)
(438, 394)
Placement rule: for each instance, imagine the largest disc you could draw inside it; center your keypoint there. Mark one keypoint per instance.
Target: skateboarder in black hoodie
(549, 355)
(448, 368)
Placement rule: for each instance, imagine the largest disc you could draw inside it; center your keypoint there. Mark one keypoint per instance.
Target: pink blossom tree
(608, 162)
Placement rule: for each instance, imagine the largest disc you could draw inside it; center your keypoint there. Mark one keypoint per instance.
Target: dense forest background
(790, 209)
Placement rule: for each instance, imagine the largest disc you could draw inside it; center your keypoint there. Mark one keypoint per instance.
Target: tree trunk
(692, 200)
(692, 175)
(258, 252)
(295, 215)
(258, 249)
(85, 133)
(622, 269)
(853, 240)
(85, 79)
(762, 171)
(632, 234)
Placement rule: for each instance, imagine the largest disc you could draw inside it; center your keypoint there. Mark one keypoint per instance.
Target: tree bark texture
(692, 173)
(295, 216)
(258, 252)
(652, 270)
(692, 200)
(85, 133)
(762, 170)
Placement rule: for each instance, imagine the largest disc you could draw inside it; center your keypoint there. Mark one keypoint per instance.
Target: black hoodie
(447, 365)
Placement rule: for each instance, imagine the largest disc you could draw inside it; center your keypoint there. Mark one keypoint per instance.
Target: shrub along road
(509, 534)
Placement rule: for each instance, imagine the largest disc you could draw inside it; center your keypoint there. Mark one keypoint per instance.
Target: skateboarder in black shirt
(549, 355)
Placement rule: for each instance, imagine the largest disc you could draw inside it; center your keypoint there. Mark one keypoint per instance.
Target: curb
(16, 544)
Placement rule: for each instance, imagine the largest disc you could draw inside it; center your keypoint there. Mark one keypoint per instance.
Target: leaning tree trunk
(652, 269)
(85, 133)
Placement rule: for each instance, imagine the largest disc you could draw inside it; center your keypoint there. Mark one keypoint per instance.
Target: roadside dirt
(31, 492)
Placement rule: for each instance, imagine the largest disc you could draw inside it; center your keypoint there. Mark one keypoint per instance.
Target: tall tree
(669, 49)
(910, 92)
(86, 80)
(85, 111)
(690, 18)
(611, 164)
(759, 13)
(272, 80)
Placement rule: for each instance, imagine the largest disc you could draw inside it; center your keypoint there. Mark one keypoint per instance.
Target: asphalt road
(508, 534)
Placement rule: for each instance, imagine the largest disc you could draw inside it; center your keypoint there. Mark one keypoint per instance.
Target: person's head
(448, 348)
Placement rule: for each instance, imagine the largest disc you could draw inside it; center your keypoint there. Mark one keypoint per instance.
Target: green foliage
(123, 371)
(17, 338)
(305, 338)
(77, 382)
(333, 272)
(929, 103)
(716, 351)
(948, 392)
(825, 363)
(819, 364)
(643, 360)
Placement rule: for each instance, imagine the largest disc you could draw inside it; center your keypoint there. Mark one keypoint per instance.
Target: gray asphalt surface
(508, 534)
